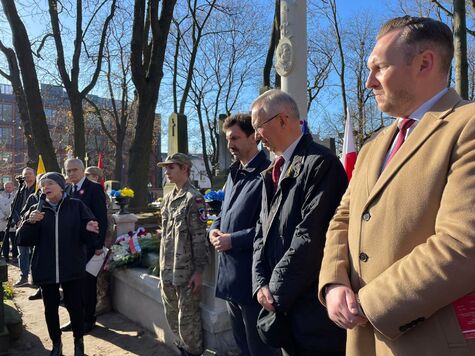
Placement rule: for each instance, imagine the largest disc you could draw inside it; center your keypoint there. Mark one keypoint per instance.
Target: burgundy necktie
(404, 125)
(279, 162)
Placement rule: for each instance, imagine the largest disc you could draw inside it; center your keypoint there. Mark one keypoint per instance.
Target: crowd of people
(52, 228)
(307, 263)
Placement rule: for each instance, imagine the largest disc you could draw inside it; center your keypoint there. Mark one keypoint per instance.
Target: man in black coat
(232, 233)
(301, 191)
(24, 252)
(94, 197)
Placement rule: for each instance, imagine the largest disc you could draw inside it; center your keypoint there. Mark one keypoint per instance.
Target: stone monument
(291, 53)
(177, 140)
(177, 134)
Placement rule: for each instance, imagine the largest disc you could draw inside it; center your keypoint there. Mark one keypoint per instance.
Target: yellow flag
(40, 170)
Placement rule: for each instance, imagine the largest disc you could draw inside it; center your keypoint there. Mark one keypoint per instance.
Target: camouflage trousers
(182, 309)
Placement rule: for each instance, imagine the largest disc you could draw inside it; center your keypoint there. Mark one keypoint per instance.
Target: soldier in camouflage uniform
(183, 255)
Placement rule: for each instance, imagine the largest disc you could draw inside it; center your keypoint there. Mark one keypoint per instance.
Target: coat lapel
(292, 172)
(430, 122)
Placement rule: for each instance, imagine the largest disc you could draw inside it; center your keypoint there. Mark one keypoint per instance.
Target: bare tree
(14, 78)
(340, 69)
(148, 47)
(225, 67)
(31, 87)
(71, 81)
(190, 30)
(115, 114)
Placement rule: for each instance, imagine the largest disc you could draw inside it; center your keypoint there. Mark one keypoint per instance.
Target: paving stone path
(114, 334)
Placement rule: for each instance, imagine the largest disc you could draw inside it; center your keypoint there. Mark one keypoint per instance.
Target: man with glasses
(301, 192)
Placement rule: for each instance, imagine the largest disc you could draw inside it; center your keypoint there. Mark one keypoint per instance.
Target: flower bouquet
(214, 199)
(122, 198)
(128, 249)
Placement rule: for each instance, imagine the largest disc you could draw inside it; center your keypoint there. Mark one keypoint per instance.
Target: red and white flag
(100, 164)
(348, 155)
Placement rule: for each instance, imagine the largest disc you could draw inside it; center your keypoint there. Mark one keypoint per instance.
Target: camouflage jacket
(184, 247)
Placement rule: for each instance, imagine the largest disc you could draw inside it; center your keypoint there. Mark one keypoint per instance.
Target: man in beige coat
(401, 248)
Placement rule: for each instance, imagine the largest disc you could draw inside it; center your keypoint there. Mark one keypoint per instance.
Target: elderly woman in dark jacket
(59, 228)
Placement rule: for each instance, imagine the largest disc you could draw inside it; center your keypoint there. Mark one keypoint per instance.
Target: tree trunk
(460, 49)
(119, 161)
(141, 148)
(274, 40)
(20, 99)
(75, 101)
(147, 74)
(31, 87)
(341, 73)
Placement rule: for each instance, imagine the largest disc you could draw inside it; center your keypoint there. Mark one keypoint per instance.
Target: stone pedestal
(124, 223)
(136, 295)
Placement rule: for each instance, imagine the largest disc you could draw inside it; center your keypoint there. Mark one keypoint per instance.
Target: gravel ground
(114, 335)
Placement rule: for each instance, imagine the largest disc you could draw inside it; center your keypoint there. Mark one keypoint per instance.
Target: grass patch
(7, 291)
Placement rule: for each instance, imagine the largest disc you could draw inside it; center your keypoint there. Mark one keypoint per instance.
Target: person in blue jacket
(232, 233)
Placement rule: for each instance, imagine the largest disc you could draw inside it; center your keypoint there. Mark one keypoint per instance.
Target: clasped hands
(342, 306)
(220, 240)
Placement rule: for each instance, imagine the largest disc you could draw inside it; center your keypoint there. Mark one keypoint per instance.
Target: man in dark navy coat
(94, 197)
(301, 192)
(232, 234)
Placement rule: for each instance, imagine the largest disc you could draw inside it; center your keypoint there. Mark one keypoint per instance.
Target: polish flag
(100, 164)
(348, 156)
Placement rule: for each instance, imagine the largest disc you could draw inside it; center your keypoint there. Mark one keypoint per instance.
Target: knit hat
(58, 178)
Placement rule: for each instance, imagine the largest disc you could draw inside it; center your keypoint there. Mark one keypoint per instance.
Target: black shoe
(36, 295)
(67, 327)
(57, 349)
(23, 281)
(79, 347)
(88, 326)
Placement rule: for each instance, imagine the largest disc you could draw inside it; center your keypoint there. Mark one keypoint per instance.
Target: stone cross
(177, 134)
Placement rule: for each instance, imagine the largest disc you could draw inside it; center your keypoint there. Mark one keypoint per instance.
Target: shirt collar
(420, 112)
(251, 161)
(287, 154)
(80, 183)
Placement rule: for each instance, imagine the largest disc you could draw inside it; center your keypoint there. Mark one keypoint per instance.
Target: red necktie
(404, 125)
(279, 162)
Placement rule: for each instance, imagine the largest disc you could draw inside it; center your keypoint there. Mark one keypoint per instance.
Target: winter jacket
(60, 240)
(290, 237)
(239, 214)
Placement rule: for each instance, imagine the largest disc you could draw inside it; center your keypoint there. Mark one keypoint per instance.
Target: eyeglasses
(259, 127)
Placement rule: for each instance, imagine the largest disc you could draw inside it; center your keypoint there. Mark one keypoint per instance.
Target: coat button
(366, 216)
(364, 257)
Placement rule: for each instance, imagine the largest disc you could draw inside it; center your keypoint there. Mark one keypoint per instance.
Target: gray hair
(74, 160)
(274, 101)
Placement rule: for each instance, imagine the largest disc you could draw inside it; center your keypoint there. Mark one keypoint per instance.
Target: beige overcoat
(405, 239)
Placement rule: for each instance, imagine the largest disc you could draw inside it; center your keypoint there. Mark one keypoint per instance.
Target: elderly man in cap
(183, 255)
